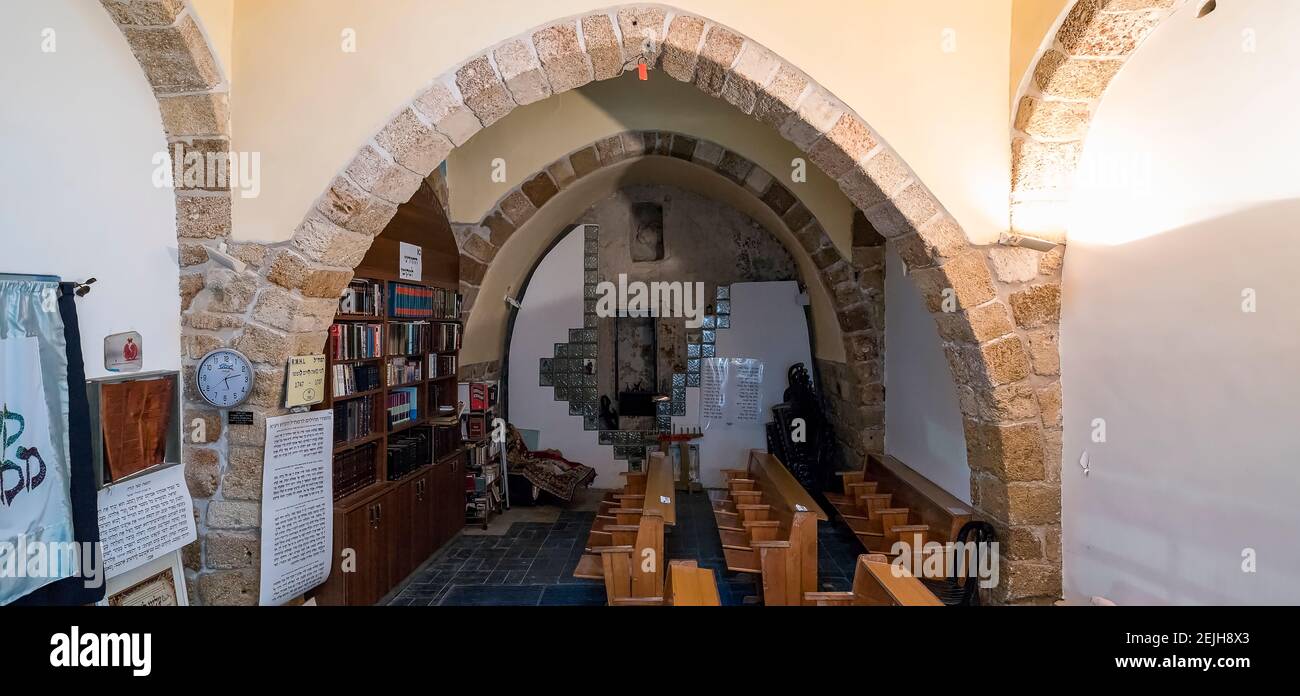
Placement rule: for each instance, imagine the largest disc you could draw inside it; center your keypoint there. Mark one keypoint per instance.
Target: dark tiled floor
(532, 563)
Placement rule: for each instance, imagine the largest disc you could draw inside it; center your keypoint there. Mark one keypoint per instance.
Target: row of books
(354, 470)
(441, 365)
(354, 379)
(363, 297)
(482, 395)
(403, 407)
(480, 455)
(353, 420)
(409, 451)
(355, 341)
(417, 302)
(446, 439)
(409, 338)
(446, 337)
(404, 370)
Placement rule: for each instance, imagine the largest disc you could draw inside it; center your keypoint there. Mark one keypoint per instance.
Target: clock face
(225, 378)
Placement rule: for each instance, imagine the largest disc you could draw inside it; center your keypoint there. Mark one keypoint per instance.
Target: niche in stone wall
(647, 228)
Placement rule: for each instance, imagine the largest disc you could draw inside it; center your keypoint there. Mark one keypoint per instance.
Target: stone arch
(480, 242)
(1054, 111)
(283, 300)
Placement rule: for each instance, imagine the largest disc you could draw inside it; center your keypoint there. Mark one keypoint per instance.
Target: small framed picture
(159, 583)
(123, 352)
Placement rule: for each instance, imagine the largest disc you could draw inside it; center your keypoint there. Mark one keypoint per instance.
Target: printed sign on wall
(306, 381)
(124, 352)
(410, 265)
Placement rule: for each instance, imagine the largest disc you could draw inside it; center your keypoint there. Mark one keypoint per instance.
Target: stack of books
(441, 365)
(446, 439)
(353, 420)
(446, 337)
(362, 297)
(409, 338)
(354, 379)
(408, 452)
(354, 470)
(403, 407)
(355, 341)
(418, 302)
(404, 370)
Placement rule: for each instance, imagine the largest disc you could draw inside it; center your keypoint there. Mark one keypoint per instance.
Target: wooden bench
(625, 547)
(887, 502)
(877, 583)
(688, 585)
(768, 527)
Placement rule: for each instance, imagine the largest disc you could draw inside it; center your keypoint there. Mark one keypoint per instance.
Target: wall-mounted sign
(239, 418)
(123, 352)
(144, 518)
(306, 381)
(297, 505)
(411, 262)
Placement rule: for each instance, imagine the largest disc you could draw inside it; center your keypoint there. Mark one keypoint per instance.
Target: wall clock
(224, 378)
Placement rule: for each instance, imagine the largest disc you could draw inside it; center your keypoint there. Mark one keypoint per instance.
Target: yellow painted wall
(307, 106)
(485, 332)
(1030, 22)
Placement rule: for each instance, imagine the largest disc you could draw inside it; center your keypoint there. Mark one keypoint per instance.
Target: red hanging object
(643, 71)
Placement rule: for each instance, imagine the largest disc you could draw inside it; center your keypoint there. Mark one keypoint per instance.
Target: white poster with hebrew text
(297, 505)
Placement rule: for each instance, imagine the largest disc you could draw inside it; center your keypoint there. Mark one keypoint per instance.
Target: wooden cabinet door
(394, 512)
(453, 496)
(366, 547)
(423, 490)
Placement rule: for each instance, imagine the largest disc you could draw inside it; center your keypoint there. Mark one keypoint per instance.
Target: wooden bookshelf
(430, 393)
(394, 523)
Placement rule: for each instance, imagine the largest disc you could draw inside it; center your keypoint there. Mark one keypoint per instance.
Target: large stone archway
(994, 311)
(855, 398)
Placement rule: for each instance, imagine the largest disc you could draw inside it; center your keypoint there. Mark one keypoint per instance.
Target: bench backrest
(798, 514)
(944, 512)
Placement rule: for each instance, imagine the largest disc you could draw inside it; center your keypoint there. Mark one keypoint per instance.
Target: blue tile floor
(532, 563)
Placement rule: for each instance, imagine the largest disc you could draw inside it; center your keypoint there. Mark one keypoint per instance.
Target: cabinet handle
(379, 510)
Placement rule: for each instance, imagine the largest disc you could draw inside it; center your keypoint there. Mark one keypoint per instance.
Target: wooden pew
(688, 585)
(887, 502)
(626, 544)
(877, 583)
(768, 527)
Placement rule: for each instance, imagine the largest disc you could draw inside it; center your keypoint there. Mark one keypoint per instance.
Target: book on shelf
(482, 395)
(446, 337)
(475, 425)
(355, 379)
(419, 302)
(353, 420)
(404, 370)
(446, 439)
(409, 451)
(354, 470)
(441, 365)
(355, 341)
(403, 406)
(409, 338)
(363, 297)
